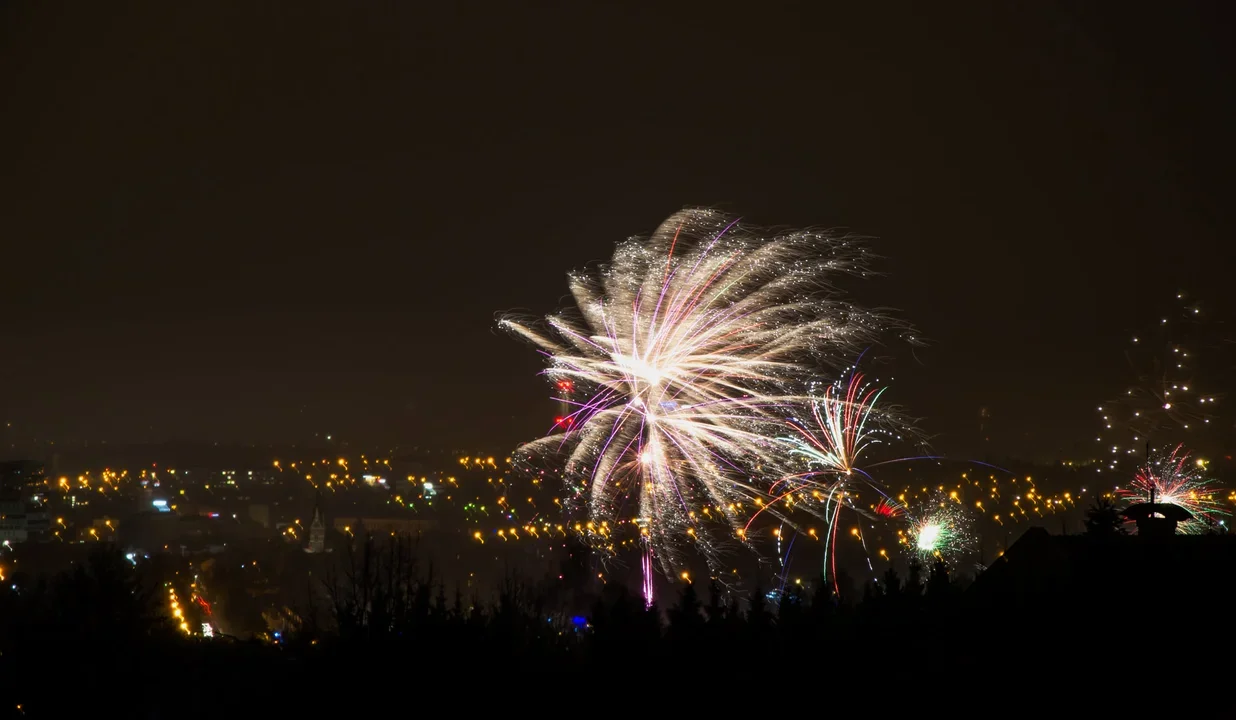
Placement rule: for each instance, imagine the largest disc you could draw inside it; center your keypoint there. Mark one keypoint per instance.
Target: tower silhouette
(317, 527)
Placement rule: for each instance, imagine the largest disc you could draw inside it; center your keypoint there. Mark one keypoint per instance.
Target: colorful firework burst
(846, 424)
(1175, 478)
(842, 429)
(684, 345)
(1166, 394)
(939, 528)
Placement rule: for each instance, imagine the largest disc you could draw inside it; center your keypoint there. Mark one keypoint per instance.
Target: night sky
(253, 221)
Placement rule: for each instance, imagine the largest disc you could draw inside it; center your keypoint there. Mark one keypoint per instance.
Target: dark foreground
(95, 643)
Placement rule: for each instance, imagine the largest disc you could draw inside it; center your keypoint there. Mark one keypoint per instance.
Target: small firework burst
(1175, 478)
(939, 528)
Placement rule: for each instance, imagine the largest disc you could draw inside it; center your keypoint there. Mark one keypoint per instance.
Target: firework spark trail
(1172, 478)
(689, 341)
(784, 559)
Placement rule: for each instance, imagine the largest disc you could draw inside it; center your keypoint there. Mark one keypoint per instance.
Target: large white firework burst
(682, 354)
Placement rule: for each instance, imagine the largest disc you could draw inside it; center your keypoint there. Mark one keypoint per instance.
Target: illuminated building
(317, 529)
(14, 526)
(21, 512)
(21, 476)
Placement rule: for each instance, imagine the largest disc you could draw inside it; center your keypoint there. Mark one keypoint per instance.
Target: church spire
(317, 526)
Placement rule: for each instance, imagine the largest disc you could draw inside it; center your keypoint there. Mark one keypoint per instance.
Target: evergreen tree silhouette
(716, 610)
(687, 613)
(577, 577)
(843, 588)
(939, 584)
(734, 620)
(892, 583)
(757, 614)
(871, 591)
(914, 579)
(647, 636)
(759, 629)
(686, 622)
(613, 623)
(823, 602)
(787, 604)
(791, 614)
(1103, 520)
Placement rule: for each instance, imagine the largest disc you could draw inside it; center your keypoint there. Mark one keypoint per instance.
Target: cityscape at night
(510, 347)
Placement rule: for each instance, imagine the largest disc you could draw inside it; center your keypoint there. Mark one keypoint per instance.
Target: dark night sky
(253, 221)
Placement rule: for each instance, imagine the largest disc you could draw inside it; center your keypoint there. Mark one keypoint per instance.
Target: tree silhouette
(823, 602)
(843, 588)
(939, 584)
(757, 613)
(892, 583)
(615, 622)
(1103, 520)
(716, 611)
(687, 613)
(686, 622)
(914, 579)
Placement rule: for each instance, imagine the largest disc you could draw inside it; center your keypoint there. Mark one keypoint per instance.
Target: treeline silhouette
(68, 641)
(382, 624)
(382, 598)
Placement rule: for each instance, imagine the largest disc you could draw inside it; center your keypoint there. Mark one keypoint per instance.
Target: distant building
(22, 476)
(317, 529)
(14, 528)
(21, 520)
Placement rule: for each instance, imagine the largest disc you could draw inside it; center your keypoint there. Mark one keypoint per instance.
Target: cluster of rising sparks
(1165, 396)
(682, 354)
(939, 528)
(1175, 478)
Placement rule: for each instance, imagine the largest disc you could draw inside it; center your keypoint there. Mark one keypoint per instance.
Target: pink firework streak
(646, 564)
